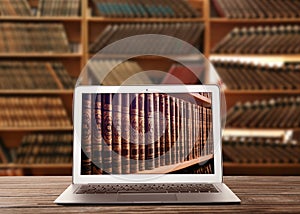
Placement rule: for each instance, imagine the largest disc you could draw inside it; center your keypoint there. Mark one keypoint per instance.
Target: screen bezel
(149, 178)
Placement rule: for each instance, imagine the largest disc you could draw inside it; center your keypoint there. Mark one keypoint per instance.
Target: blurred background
(254, 46)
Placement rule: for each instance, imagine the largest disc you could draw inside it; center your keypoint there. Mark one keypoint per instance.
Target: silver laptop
(147, 144)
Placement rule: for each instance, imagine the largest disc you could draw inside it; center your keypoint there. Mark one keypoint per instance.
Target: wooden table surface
(258, 194)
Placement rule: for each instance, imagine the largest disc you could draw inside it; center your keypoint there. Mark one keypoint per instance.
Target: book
(15, 8)
(134, 133)
(116, 134)
(107, 132)
(272, 113)
(45, 148)
(112, 72)
(187, 31)
(58, 8)
(265, 9)
(32, 37)
(34, 75)
(263, 150)
(125, 134)
(5, 154)
(38, 111)
(282, 39)
(248, 76)
(149, 132)
(86, 135)
(144, 9)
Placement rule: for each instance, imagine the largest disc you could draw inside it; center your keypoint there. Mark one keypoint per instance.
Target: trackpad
(146, 197)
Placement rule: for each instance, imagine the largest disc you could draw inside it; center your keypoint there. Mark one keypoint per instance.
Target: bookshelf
(83, 30)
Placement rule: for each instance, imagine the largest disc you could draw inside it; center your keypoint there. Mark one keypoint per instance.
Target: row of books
(37, 111)
(42, 148)
(33, 37)
(273, 113)
(116, 72)
(45, 8)
(260, 150)
(283, 39)
(206, 167)
(11, 172)
(189, 32)
(144, 9)
(257, 8)
(248, 76)
(131, 133)
(34, 75)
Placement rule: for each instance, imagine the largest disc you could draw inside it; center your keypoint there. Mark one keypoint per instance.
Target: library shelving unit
(218, 28)
(72, 61)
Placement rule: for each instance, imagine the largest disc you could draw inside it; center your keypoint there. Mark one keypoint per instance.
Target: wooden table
(258, 194)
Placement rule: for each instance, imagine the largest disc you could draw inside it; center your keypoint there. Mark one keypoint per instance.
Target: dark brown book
(149, 132)
(177, 130)
(181, 129)
(157, 130)
(141, 113)
(173, 127)
(125, 134)
(134, 133)
(107, 132)
(162, 129)
(168, 152)
(97, 141)
(86, 135)
(116, 134)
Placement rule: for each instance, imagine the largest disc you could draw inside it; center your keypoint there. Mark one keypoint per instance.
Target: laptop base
(225, 195)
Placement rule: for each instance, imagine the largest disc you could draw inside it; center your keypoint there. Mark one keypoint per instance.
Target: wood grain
(258, 194)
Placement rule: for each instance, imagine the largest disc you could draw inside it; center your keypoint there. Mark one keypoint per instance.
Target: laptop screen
(147, 133)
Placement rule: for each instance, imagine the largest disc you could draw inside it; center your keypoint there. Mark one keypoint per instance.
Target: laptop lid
(147, 134)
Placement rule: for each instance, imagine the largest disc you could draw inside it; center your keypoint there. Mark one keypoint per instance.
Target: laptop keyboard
(146, 188)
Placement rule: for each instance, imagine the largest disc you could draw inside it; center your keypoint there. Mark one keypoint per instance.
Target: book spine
(173, 129)
(149, 131)
(116, 134)
(157, 131)
(177, 130)
(96, 134)
(107, 132)
(182, 131)
(168, 154)
(86, 150)
(162, 129)
(125, 134)
(134, 133)
(141, 128)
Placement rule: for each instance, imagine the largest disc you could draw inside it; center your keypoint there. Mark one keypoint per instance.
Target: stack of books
(135, 133)
(257, 8)
(274, 113)
(283, 39)
(34, 75)
(45, 148)
(38, 111)
(58, 8)
(15, 8)
(248, 76)
(116, 72)
(260, 150)
(33, 37)
(144, 9)
(189, 32)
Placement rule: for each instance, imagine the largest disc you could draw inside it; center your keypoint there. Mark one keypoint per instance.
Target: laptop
(147, 144)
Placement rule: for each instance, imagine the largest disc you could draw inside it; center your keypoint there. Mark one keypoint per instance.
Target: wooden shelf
(40, 55)
(261, 57)
(258, 92)
(126, 20)
(204, 100)
(230, 21)
(261, 168)
(42, 18)
(262, 129)
(175, 167)
(35, 91)
(40, 128)
(42, 166)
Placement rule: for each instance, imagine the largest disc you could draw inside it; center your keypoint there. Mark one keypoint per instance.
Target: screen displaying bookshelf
(44, 45)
